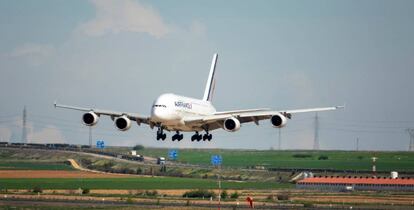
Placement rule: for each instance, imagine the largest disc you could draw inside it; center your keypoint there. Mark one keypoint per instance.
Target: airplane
(177, 113)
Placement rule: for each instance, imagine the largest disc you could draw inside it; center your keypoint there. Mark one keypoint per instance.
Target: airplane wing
(132, 116)
(244, 116)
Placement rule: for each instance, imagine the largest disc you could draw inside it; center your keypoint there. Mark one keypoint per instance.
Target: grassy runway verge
(133, 183)
(338, 160)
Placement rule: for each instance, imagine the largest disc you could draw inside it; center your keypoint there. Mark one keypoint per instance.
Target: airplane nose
(158, 114)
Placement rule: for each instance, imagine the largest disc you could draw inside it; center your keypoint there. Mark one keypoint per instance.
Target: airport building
(350, 183)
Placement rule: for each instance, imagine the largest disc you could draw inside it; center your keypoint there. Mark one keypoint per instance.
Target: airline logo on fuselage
(183, 105)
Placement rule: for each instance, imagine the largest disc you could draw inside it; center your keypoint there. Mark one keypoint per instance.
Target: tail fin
(208, 92)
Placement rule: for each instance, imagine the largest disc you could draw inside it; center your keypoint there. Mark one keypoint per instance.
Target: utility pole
(410, 132)
(357, 144)
(316, 137)
(24, 127)
(374, 166)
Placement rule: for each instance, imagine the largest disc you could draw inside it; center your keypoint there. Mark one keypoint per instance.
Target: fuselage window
(157, 105)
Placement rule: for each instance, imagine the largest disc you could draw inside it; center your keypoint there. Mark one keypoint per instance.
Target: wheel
(209, 137)
(181, 137)
(158, 137)
(205, 136)
(199, 137)
(164, 136)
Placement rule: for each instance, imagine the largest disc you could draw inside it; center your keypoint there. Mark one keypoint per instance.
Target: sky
(120, 55)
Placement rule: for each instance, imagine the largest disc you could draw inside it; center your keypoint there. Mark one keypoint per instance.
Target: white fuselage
(169, 110)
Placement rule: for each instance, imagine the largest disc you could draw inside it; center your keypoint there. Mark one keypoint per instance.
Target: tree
(224, 194)
(85, 191)
(138, 147)
(37, 189)
(235, 195)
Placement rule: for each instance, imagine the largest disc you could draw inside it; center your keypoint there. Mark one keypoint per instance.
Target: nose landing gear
(160, 134)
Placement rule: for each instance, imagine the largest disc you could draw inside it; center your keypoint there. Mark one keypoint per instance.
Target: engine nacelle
(123, 123)
(231, 124)
(90, 118)
(278, 120)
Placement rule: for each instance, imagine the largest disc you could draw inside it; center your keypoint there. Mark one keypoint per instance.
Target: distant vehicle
(183, 114)
(161, 160)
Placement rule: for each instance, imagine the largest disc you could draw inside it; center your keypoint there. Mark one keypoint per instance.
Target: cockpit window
(159, 105)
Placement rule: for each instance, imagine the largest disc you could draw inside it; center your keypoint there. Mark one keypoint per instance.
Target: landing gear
(160, 134)
(177, 136)
(207, 136)
(198, 137)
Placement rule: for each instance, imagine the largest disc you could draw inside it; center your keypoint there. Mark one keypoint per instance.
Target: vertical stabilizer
(208, 92)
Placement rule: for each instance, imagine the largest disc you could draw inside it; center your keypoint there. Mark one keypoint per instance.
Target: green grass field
(339, 160)
(134, 183)
(32, 165)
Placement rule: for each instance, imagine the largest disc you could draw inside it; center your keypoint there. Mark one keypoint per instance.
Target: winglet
(55, 103)
(341, 107)
(208, 92)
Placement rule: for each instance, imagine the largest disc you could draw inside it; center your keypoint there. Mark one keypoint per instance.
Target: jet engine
(90, 118)
(123, 123)
(278, 120)
(231, 124)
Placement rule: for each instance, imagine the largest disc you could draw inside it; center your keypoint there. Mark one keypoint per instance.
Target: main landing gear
(177, 136)
(160, 134)
(198, 137)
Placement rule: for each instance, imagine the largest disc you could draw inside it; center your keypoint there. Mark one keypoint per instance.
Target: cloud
(124, 16)
(35, 54)
(5, 134)
(49, 134)
(198, 28)
(46, 134)
(301, 85)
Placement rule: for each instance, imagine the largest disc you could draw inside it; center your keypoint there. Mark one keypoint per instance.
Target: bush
(270, 197)
(199, 194)
(85, 191)
(107, 166)
(323, 157)
(224, 194)
(138, 147)
(308, 205)
(37, 189)
(302, 155)
(85, 162)
(150, 193)
(126, 171)
(283, 197)
(235, 195)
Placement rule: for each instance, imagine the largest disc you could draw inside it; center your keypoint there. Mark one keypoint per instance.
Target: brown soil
(54, 174)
